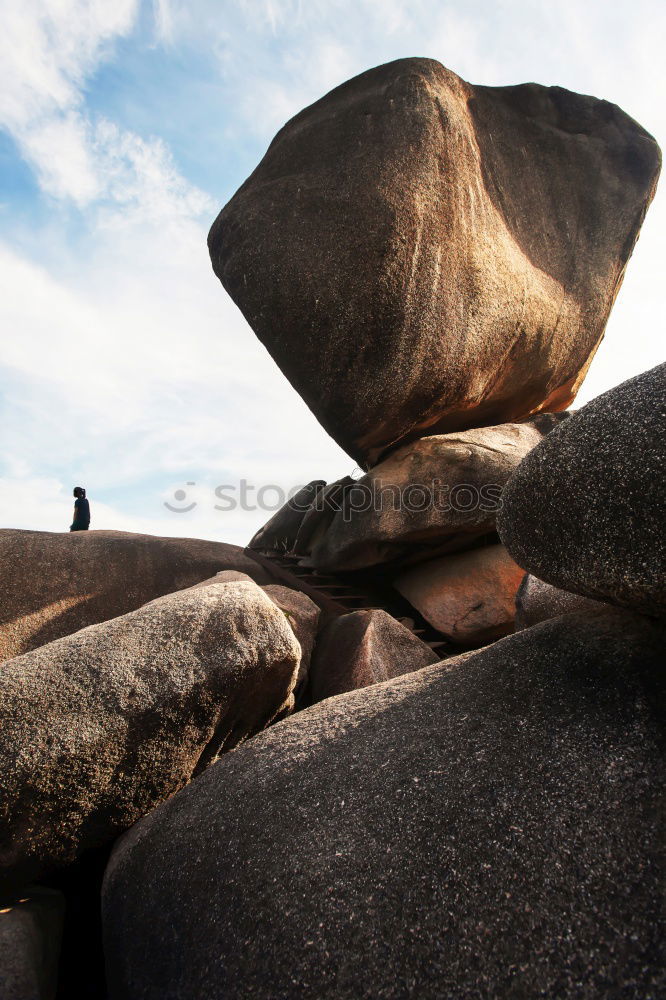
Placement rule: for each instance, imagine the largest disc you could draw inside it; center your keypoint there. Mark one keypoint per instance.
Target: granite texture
(485, 828)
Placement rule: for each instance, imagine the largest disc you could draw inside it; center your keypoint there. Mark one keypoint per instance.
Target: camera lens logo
(180, 496)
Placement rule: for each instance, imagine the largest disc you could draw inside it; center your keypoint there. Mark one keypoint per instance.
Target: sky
(125, 126)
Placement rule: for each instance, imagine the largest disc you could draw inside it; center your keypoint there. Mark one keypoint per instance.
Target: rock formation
(488, 827)
(432, 265)
(54, 584)
(437, 494)
(98, 727)
(421, 255)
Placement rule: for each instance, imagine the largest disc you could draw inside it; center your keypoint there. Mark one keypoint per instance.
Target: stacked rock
(432, 265)
(490, 826)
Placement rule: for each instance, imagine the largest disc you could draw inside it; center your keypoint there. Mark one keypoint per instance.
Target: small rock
(363, 648)
(470, 597)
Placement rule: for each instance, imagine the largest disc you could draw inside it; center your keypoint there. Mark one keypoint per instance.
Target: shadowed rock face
(52, 584)
(484, 828)
(584, 511)
(537, 601)
(98, 727)
(421, 255)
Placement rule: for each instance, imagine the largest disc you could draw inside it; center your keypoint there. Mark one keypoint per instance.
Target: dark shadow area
(81, 970)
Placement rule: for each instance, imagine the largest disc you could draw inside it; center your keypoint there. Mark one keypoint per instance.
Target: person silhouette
(81, 520)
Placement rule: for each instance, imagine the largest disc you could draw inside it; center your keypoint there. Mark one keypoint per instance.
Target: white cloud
(127, 365)
(47, 50)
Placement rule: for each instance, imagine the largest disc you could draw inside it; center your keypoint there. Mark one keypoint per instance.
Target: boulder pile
(296, 795)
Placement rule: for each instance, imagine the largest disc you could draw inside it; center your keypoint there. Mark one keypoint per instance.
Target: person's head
(79, 492)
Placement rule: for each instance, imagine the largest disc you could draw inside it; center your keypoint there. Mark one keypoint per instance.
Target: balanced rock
(470, 597)
(53, 584)
(421, 255)
(488, 827)
(438, 494)
(537, 601)
(585, 510)
(363, 648)
(98, 727)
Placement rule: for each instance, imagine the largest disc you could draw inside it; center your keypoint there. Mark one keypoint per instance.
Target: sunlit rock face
(421, 255)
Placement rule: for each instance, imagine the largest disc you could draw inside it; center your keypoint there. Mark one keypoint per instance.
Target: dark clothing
(81, 515)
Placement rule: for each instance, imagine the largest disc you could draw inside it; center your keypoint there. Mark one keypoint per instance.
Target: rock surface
(484, 828)
(470, 597)
(53, 584)
(300, 611)
(390, 254)
(279, 533)
(598, 483)
(435, 495)
(30, 934)
(303, 617)
(98, 727)
(537, 601)
(363, 648)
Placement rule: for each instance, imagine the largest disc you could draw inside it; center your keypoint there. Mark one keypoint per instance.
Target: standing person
(81, 521)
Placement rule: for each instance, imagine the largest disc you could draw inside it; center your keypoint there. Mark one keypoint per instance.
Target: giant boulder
(98, 727)
(52, 584)
(488, 827)
(585, 510)
(421, 255)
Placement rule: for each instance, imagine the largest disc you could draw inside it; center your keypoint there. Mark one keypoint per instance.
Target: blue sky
(124, 128)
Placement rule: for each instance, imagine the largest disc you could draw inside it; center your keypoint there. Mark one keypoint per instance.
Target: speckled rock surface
(303, 616)
(98, 727)
(363, 648)
(300, 611)
(484, 828)
(470, 597)
(30, 935)
(52, 584)
(435, 495)
(423, 255)
(585, 510)
(537, 601)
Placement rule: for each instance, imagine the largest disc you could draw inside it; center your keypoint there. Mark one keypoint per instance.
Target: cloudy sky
(124, 128)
